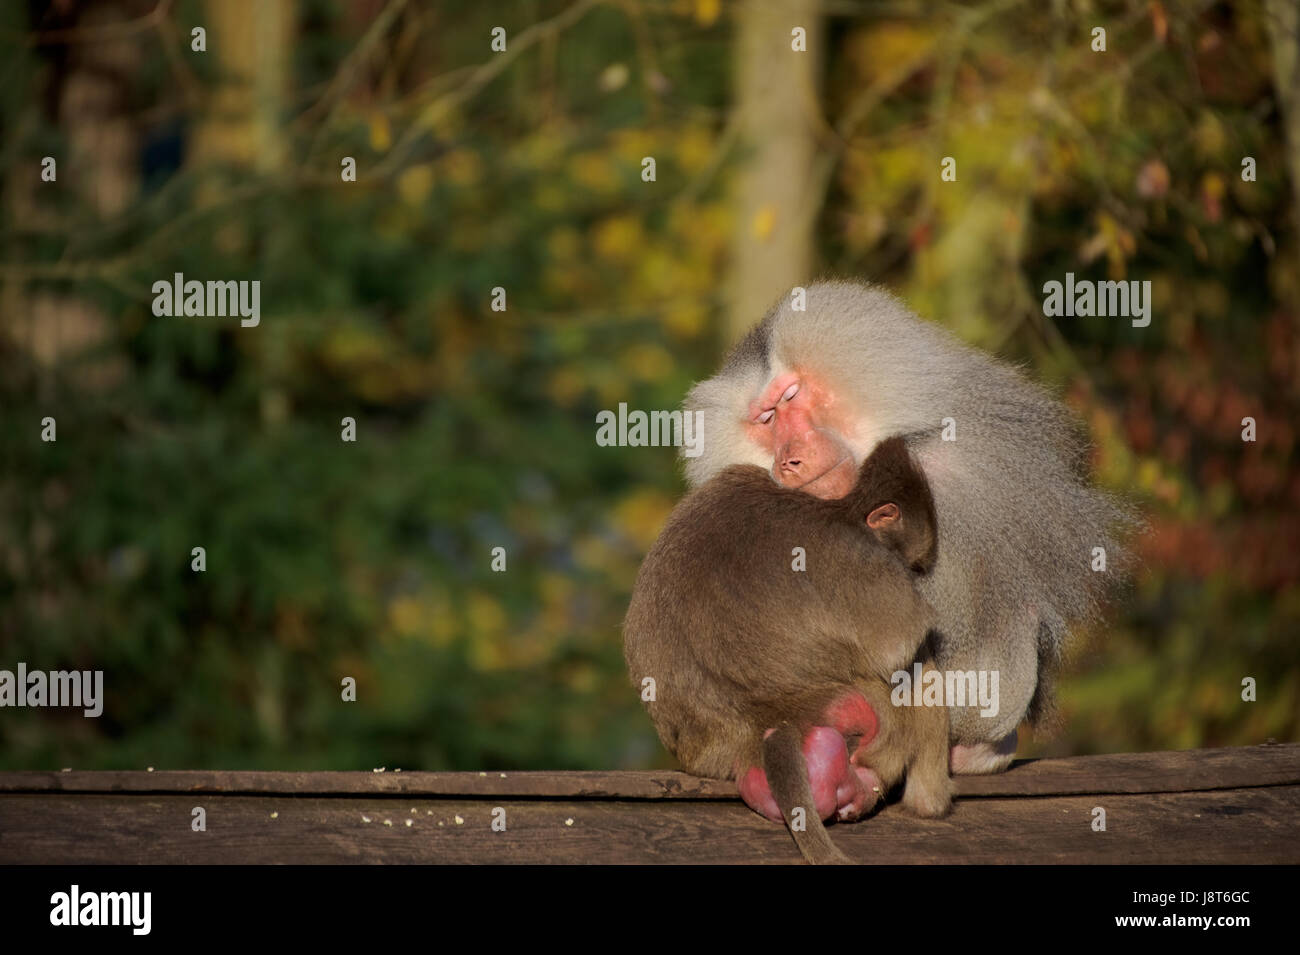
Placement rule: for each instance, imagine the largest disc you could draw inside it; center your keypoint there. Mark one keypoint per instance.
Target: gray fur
(1017, 518)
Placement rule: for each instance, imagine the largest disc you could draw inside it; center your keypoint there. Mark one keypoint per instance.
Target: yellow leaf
(642, 515)
(381, 134)
(485, 654)
(685, 319)
(555, 589)
(594, 172)
(564, 244)
(706, 11)
(415, 184)
(764, 221)
(1210, 137)
(1148, 473)
(632, 145)
(461, 167)
(592, 553)
(646, 362)
(442, 623)
(487, 622)
(873, 52)
(694, 149)
(485, 613)
(404, 615)
(352, 346)
(583, 678)
(618, 239)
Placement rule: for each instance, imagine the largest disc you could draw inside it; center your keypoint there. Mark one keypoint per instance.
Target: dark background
(476, 428)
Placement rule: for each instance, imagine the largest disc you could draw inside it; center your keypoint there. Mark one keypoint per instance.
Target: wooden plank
(1193, 770)
(663, 784)
(1185, 771)
(1256, 825)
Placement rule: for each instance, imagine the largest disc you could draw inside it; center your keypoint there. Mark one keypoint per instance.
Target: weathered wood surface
(1239, 805)
(1182, 771)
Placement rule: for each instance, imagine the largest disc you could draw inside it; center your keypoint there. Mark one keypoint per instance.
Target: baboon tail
(787, 777)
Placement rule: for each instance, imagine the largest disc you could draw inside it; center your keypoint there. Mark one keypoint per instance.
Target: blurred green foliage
(475, 428)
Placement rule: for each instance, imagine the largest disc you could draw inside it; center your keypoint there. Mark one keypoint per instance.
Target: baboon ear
(883, 516)
(911, 536)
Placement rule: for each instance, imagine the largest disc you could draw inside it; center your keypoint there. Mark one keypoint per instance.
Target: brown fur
(738, 642)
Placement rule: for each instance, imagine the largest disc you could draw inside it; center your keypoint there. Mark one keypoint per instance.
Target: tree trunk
(252, 43)
(775, 87)
(1283, 18)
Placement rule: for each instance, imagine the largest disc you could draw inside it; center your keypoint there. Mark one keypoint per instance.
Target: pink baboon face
(796, 420)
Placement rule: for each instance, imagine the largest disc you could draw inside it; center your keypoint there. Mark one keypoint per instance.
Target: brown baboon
(771, 621)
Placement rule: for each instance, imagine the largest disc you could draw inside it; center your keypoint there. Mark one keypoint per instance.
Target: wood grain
(1237, 805)
(1183, 771)
(1224, 826)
